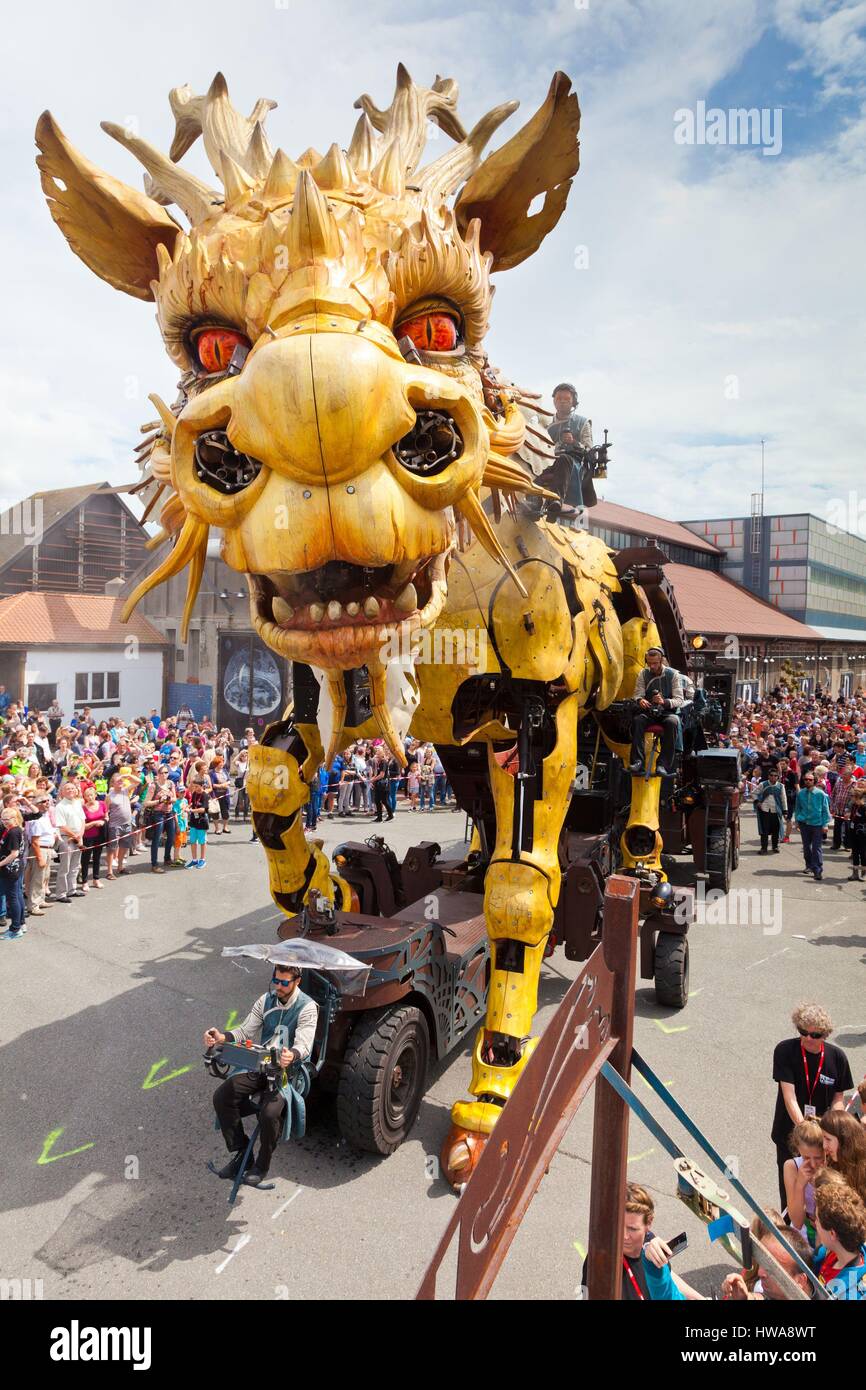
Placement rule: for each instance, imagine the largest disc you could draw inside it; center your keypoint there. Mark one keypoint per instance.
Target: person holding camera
(284, 1017)
(646, 1272)
(659, 694)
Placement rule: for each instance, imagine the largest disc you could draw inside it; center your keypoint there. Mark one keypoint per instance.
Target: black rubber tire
(375, 1111)
(735, 851)
(719, 858)
(671, 968)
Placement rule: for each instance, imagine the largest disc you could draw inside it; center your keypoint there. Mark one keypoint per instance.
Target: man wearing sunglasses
(283, 1016)
(812, 1075)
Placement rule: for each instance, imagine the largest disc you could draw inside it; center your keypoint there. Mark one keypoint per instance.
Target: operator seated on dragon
(659, 695)
(339, 424)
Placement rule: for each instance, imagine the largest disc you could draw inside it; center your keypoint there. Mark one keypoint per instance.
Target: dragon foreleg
(278, 790)
(521, 892)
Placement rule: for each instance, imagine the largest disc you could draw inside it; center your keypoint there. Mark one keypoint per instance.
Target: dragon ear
(113, 228)
(540, 158)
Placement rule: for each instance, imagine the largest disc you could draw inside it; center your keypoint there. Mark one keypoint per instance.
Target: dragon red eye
(431, 332)
(214, 347)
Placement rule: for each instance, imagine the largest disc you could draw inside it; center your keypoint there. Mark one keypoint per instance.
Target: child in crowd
(180, 807)
(807, 1146)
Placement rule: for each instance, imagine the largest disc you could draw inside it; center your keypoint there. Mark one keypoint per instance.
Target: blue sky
(724, 296)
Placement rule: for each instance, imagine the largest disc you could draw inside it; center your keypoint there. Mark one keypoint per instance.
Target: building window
(97, 687)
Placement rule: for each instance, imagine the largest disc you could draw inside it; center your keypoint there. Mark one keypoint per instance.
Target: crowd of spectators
(819, 1130)
(366, 780)
(81, 799)
(804, 764)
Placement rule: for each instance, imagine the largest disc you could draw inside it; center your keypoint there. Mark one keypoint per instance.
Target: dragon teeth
(335, 611)
(371, 607)
(353, 609)
(317, 612)
(407, 600)
(282, 611)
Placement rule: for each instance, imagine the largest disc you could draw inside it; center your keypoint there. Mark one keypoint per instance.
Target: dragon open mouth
(340, 613)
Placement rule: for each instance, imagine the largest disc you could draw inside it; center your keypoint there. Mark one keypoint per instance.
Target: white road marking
(287, 1203)
(764, 959)
(242, 1241)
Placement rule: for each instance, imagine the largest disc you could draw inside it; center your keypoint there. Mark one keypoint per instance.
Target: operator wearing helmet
(572, 437)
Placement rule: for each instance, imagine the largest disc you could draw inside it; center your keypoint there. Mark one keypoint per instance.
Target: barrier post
(611, 1114)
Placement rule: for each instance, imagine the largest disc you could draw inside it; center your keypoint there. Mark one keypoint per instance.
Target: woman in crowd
(220, 784)
(857, 824)
(120, 832)
(427, 780)
(845, 1148)
(348, 780)
(159, 818)
(331, 798)
(239, 767)
(11, 871)
(95, 816)
(791, 783)
(799, 1172)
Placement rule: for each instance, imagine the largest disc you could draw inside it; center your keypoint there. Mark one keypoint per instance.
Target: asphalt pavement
(108, 1123)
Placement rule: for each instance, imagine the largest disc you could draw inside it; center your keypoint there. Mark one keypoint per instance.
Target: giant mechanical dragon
(338, 423)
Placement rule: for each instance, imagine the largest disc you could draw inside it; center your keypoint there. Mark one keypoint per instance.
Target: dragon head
(336, 417)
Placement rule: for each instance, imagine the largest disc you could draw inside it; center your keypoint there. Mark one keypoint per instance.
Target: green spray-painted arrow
(149, 1084)
(49, 1145)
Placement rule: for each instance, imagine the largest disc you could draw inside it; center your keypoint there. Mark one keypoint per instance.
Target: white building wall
(140, 676)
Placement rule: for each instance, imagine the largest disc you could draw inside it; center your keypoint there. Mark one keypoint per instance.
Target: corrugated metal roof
(714, 604)
(53, 505)
(843, 634)
(71, 620)
(644, 524)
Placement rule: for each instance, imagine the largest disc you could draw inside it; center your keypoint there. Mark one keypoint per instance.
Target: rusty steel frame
(591, 1025)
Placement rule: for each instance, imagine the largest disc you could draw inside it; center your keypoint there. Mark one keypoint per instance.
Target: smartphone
(678, 1244)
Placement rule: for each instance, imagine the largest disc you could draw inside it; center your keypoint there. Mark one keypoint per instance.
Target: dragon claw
(460, 1155)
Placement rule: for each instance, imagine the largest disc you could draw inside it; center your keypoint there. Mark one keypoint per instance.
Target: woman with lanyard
(812, 1075)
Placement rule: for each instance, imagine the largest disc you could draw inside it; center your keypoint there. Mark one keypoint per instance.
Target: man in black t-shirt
(769, 757)
(813, 1076)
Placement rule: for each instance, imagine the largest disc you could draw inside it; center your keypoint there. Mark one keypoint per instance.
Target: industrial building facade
(799, 563)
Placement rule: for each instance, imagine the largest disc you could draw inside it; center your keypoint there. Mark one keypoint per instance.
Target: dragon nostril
(433, 442)
(218, 463)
